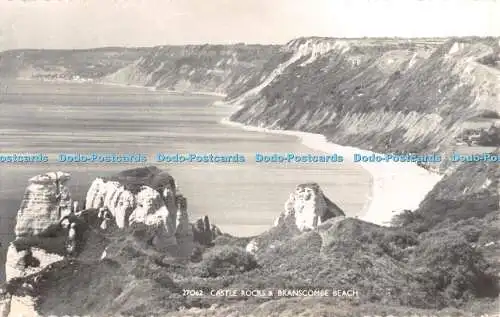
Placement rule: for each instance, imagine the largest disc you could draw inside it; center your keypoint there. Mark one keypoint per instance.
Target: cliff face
(305, 210)
(223, 69)
(308, 207)
(45, 201)
(55, 246)
(145, 195)
(397, 95)
(209, 68)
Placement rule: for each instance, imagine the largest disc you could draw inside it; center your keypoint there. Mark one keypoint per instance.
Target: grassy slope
(439, 258)
(395, 96)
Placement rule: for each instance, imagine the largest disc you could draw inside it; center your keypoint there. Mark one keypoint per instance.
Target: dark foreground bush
(454, 269)
(224, 261)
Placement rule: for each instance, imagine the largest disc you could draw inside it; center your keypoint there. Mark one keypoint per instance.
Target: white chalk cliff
(308, 207)
(149, 196)
(144, 205)
(112, 195)
(146, 196)
(45, 201)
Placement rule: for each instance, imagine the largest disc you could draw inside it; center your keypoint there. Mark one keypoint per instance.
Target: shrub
(454, 269)
(226, 260)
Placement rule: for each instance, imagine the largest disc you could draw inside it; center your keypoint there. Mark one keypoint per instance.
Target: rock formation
(150, 196)
(132, 189)
(113, 196)
(204, 232)
(51, 228)
(45, 201)
(308, 207)
(141, 195)
(183, 230)
(27, 261)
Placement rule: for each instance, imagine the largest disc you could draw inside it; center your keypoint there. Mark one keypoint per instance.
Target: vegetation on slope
(403, 96)
(443, 256)
(66, 64)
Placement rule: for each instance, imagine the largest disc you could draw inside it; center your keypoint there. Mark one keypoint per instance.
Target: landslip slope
(207, 68)
(382, 95)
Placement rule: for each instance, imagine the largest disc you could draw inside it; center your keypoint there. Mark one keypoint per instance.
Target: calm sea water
(242, 199)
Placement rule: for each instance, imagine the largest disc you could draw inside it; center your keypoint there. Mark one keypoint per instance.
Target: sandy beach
(395, 186)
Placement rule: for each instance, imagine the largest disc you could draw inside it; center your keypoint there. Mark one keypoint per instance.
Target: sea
(242, 198)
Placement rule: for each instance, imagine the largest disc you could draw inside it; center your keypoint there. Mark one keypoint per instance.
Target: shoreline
(105, 83)
(162, 90)
(394, 186)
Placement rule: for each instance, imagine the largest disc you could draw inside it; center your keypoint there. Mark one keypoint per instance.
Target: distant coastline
(107, 83)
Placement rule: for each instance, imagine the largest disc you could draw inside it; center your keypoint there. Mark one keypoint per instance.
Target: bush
(226, 260)
(454, 269)
(396, 243)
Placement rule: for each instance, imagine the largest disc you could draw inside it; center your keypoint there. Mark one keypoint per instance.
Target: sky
(72, 24)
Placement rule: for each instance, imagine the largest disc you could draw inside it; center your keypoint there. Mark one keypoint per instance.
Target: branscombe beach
(395, 186)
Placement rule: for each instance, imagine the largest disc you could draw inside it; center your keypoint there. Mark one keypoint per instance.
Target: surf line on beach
(395, 186)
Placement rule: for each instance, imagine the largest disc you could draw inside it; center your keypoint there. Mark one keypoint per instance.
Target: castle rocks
(145, 195)
(150, 196)
(142, 196)
(45, 201)
(114, 197)
(307, 207)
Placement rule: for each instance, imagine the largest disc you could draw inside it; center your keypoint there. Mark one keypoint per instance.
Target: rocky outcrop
(112, 195)
(308, 207)
(39, 241)
(183, 230)
(46, 200)
(204, 232)
(145, 195)
(150, 196)
(144, 202)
